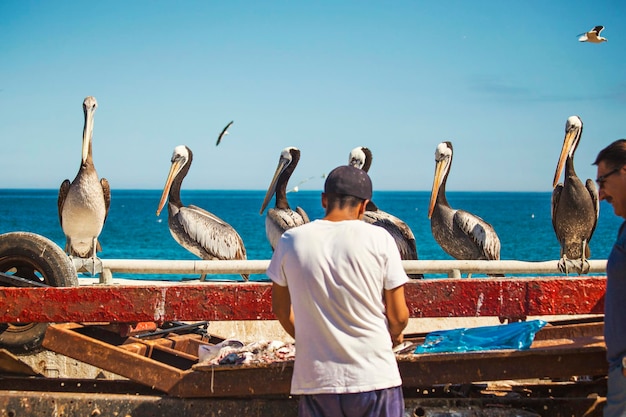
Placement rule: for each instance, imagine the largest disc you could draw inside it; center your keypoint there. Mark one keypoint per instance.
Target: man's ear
(362, 207)
(324, 200)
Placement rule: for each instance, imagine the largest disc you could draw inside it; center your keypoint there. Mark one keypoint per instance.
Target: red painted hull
(511, 298)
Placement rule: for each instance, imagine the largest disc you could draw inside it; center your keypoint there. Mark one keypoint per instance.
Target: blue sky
(496, 78)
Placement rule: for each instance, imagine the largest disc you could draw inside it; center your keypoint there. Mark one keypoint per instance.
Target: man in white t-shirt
(338, 289)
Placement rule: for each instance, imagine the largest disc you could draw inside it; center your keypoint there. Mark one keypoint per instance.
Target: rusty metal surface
(21, 403)
(563, 358)
(74, 385)
(171, 365)
(11, 364)
(68, 340)
(508, 297)
(558, 330)
(33, 403)
(235, 381)
(505, 297)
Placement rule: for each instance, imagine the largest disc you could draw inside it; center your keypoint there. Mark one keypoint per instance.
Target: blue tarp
(517, 335)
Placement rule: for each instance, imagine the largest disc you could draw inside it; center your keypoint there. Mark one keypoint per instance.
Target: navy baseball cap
(349, 180)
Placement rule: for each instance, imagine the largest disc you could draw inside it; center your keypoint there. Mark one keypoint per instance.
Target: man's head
(346, 186)
(611, 179)
(348, 180)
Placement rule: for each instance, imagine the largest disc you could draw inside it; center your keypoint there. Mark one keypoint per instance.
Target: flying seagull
(593, 35)
(224, 133)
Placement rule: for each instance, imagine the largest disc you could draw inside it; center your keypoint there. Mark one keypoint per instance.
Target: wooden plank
(511, 298)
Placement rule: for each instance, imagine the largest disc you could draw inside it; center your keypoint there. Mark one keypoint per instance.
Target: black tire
(36, 258)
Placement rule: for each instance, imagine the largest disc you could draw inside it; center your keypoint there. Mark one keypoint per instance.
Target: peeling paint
(508, 297)
(159, 311)
(479, 303)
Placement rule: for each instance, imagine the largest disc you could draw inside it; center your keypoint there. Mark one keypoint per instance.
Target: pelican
(224, 132)
(84, 203)
(575, 206)
(195, 229)
(461, 234)
(593, 35)
(282, 217)
(361, 157)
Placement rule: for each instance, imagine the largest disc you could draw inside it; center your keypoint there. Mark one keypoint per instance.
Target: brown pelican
(195, 229)
(593, 35)
(461, 234)
(361, 157)
(84, 203)
(223, 133)
(282, 217)
(575, 206)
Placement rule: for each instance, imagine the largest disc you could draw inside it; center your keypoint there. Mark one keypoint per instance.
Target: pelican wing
(302, 213)
(398, 229)
(286, 218)
(480, 232)
(280, 220)
(65, 188)
(217, 237)
(106, 191)
(593, 192)
(556, 197)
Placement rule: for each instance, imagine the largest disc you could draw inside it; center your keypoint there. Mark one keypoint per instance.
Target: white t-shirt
(336, 273)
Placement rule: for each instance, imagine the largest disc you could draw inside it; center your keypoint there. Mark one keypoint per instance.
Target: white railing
(453, 268)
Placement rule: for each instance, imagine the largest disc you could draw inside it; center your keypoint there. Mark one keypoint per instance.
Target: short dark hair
(613, 155)
(339, 201)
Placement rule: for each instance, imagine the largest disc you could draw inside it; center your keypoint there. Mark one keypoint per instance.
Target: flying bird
(195, 229)
(593, 35)
(296, 187)
(461, 234)
(575, 206)
(84, 203)
(361, 157)
(224, 132)
(282, 217)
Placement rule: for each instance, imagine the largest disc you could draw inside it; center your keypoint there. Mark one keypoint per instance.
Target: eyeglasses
(602, 178)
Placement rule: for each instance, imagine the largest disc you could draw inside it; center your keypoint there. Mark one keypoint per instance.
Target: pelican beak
(440, 167)
(177, 165)
(282, 164)
(569, 143)
(87, 131)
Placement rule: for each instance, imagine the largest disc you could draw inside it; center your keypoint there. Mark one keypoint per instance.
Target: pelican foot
(580, 266)
(91, 266)
(584, 267)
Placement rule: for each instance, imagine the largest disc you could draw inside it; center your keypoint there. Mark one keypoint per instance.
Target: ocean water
(133, 231)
